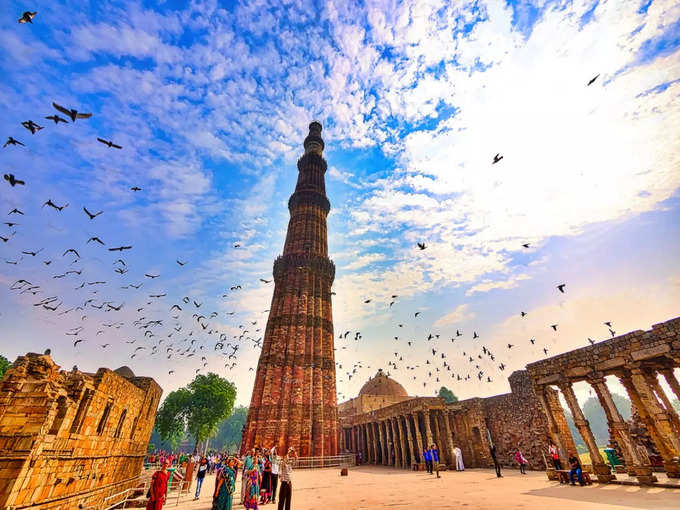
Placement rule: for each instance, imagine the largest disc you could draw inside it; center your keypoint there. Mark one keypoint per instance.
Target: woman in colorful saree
(224, 487)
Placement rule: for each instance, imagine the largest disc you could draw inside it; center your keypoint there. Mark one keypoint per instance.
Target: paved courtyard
(371, 487)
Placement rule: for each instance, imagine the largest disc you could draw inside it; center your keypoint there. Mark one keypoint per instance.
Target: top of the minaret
(314, 142)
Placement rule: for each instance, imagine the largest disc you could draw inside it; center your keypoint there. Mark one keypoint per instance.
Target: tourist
(575, 469)
(459, 459)
(200, 476)
(521, 461)
(158, 489)
(266, 487)
(496, 464)
(285, 472)
(427, 456)
(252, 489)
(248, 464)
(555, 456)
(435, 458)
(225, 485)
(275, 472)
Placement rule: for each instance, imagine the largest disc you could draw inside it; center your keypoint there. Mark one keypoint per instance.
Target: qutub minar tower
(294, 400)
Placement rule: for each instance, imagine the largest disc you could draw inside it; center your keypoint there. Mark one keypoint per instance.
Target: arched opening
(121, 421)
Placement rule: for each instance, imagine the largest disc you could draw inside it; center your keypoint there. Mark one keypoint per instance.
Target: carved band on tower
(294, 397)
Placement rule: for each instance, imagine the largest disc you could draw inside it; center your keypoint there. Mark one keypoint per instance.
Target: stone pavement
(374, 487)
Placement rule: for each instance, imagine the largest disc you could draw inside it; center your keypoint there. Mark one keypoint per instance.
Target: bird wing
(61, 109)
(83, 115)
(116, 146)
(102, 141)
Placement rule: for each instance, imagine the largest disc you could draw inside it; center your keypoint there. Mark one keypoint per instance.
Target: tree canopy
(597, 419)
(447, 395)
(4, 365)
(228, 436)
(196, 409)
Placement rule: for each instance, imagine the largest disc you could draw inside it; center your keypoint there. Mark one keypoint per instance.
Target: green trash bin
(172, 472)
(612, 457)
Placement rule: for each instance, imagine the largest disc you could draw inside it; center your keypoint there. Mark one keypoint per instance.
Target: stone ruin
(71, 439)
(637, 359)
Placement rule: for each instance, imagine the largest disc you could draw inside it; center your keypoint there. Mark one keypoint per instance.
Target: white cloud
(461, 314)
(486, 285)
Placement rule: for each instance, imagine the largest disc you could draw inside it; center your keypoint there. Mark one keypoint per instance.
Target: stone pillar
(653, 381)
(386, 446)
(394, 448)
(402, 443)
(672, 381)
(419, 440)
(399, 458)
(409, 437)
(365, 443)
(369, 443)
(602, 470)
(428, 430)
(657, 420)
(449, 439)
(618, 428)
(439, 438)
(552, 425)
(374, 434)
(381, 442)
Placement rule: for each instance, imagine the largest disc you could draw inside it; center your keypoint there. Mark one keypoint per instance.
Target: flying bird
(136, 188)
(77, 342)
(179, 262)
(31, 126)
(121, 248)
(13, 181)
(72, 113)
(561, 287)
(592, 80)
(71, 250)
(109, 143)
(15, 211)
(265, 281)
(526, 245)
(55, 206)
(554, 326)
(421, 246)
(497, 158)
(96, 239)
(150, 275)
(57, 119)
(12, 141)
(27, 17)
(90, 215)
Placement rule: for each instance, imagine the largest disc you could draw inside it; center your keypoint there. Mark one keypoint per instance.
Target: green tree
(597, 419)
(229, 431)
(4, 365)
(447, 395)
(196, 409)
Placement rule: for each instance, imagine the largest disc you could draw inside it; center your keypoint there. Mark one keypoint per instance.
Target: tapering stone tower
(294, 400)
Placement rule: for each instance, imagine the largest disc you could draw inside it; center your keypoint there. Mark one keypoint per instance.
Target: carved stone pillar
(601, 469)
(657, 420)
(444, 455)
(419, 440)
(369, 443)
(409, 438)
(376, 444)
(395, 435)
(402, 442)
(653, 381)
(552, 425)
(672, 381)
(428, 430)
(449, 439)
(364, 442)
(618, 428)
(383, 443)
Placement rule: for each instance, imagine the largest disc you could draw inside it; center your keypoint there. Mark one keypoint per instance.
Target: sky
(211, 101)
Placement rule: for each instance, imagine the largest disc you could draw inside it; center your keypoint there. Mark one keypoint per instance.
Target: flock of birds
(183, 331)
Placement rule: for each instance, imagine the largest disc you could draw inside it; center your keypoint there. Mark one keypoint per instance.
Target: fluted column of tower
(294, 397)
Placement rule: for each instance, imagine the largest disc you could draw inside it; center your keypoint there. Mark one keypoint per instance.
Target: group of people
(262, 471)
(575, 469)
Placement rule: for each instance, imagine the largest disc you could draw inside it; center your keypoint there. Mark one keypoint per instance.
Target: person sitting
(575, 470)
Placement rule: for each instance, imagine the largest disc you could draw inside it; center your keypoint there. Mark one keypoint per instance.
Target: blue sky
(211, 101)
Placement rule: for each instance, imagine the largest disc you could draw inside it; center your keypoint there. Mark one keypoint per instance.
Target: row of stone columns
(399, 440)
(655, 409)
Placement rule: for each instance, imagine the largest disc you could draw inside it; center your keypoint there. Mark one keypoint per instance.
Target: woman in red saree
(158, 488)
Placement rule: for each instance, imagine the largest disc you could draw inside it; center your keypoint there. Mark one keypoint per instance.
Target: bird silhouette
(109, 143)
(31, 126)
(496, 158)
(421, 246)
(51, 204)
(120, 248)
(57, 119)
(136, 188)
(90, 215)
(12, 141)
(13, 181)
(592, 80)
(554, 326)
(72, 113)
(561, 287)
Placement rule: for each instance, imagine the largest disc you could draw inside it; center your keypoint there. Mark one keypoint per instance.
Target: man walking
(435, 458)
(200, 476)
(427, 455)
(459, 459)
(495, 461)
(274, 459)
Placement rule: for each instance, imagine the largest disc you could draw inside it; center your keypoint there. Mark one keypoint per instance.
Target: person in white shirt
(274, 459)
(459, 459)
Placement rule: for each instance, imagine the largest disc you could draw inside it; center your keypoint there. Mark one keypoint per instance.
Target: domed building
(384, 425)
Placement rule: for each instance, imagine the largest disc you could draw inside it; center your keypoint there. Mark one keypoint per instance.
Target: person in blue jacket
(427, 455)
(435, 458)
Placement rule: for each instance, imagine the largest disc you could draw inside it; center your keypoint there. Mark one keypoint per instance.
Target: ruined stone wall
(517, 420)
(71, 438)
